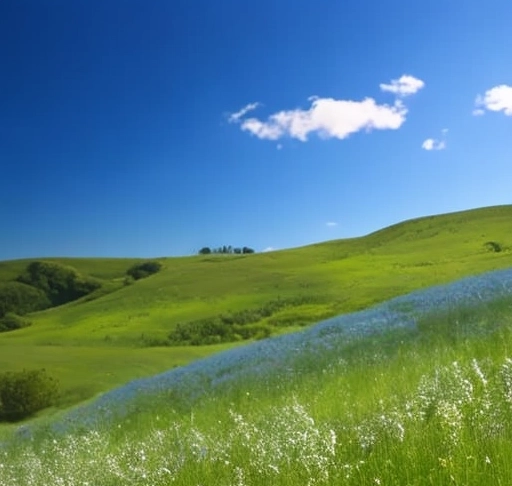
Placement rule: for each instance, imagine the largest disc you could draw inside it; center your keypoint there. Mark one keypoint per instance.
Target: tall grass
(417, 391)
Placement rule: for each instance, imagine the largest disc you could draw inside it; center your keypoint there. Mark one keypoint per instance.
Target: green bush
(215, 331)
(493, 246)
(11, 322)
(144, 269)
(60, 283)
(235, 326)
(24, 393)
(21, 298)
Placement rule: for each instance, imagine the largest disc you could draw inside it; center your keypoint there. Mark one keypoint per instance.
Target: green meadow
(122, 331)
(429, 404)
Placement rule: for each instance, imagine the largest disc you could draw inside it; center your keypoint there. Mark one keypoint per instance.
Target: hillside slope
(93, 345)
(413, 391)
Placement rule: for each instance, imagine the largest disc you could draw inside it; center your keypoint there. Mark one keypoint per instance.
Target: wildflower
(479, 372)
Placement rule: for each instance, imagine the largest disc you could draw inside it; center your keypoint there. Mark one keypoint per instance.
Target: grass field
(415, 391)
(92, 346)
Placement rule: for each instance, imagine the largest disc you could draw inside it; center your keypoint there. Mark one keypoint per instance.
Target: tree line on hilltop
(226, 250)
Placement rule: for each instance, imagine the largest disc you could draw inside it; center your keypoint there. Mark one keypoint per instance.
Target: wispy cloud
(432, 144)
(498, 98)
(436, 144)
(404, 86)
(332, 118)
(235, 117)
(268, 248)
(331, 224)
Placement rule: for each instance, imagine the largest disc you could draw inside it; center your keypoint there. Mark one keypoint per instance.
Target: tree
(11, 322)
(60, 283)
(144, 269)
(21, 298)
(25, 392)
(225, 250)
(493, 246)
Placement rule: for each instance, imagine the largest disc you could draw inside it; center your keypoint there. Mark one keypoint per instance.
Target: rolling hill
(93, 344)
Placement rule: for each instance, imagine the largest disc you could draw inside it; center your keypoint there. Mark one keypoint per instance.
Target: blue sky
(134, 128)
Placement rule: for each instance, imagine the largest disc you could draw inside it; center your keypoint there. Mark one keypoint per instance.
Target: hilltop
(127, 329)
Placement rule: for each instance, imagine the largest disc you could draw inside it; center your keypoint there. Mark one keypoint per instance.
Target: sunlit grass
(417, 391)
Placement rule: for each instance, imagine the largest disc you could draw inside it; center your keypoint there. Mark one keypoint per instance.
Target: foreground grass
(417, 391)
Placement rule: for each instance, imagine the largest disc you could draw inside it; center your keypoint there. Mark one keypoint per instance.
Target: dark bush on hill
(24, 393)
(234, 326)
(215, 331)
(144, 269)
(493, 246)
(11, 322)
(21, 298)
(60, 283)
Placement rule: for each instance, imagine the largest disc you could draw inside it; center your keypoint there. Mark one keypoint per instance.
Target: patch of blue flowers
(264, 357)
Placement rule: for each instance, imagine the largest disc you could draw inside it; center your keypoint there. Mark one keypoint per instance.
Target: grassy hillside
(92, 345)
(415, 391)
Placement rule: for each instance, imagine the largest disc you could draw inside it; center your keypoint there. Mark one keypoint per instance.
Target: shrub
(235, 326)
(24, 393)
(153, 341)
(215, 331)
(493, 246)
(144, 269)
(60, 283)
(21, 298)
(11, 322)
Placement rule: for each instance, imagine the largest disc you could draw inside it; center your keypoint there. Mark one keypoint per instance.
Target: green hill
(415, 391)
(122, 331)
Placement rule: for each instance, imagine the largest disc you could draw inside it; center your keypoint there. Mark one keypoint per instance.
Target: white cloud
(235, 117)
(498, 98)
(329, 118)
(435, 144)
(332, 118)
(404, 86)
(268, 248)
(331, 224)
(432, 144)
(263, 130)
